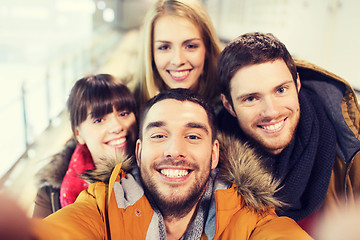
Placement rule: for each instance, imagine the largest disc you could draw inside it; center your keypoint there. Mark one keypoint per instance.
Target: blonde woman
(179, 49)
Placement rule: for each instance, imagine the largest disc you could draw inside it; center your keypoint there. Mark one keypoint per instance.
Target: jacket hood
(240, 165)
(103, 171)
(337, 96)
(52, 174)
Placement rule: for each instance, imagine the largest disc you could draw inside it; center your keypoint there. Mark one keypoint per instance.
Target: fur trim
(240, 165)
(53, 173)
(103, 171)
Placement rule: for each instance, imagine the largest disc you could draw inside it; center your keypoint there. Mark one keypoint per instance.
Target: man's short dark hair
(249, 49)
(182, 95)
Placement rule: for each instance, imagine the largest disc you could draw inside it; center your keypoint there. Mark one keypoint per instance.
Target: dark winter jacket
(342, 109)
(49, 180)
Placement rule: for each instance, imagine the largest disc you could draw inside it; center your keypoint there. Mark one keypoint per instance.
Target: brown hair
(249, 49)
(98, 94)
(181, 95)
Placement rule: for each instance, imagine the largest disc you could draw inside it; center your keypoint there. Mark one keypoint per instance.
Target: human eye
(282, 89)
(192, 46)
(97, 120)
(249, 99)
(163, 47)
(193, 137)
(157, 137)
(124, 113)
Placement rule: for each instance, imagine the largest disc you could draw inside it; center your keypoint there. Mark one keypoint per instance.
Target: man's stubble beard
(172, 208)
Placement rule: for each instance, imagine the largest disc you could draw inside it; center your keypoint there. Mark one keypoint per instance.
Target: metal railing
(44, 101)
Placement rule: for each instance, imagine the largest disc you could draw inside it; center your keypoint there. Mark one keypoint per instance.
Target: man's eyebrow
(284, 83)
(245, 95)
(197, 125)
(155, 124)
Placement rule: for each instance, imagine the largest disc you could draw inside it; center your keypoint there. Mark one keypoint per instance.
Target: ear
(298, 83)
(138, 151)
(215, 154)
(78, 136)
(227, 105)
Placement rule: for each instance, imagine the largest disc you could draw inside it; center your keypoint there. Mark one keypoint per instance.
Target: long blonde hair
(149, 81)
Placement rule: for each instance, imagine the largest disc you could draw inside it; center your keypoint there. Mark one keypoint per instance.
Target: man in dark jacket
(307, 131)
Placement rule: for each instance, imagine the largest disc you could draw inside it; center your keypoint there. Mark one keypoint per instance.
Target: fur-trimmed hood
(52, 174)
(239, 164)
(104, 169)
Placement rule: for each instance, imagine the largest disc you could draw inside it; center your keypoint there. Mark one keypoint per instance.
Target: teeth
(117, 142)
(273, 127)
(174, 173)
(179, 74)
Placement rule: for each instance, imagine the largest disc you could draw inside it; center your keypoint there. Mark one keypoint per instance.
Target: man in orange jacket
(176, 190)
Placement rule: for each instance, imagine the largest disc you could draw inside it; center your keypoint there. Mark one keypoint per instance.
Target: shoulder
(236, 220)
(53, 172)
(274, 227)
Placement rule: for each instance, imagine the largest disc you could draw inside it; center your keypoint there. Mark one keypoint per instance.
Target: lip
(174, 171)
(273, 127)
(118, 143)
(179, 75)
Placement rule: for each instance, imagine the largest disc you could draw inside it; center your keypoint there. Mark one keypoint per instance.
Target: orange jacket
(119, 209)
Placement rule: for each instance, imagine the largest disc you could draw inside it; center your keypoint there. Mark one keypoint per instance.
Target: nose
(178, 57)
(175, 148)
(115, 126)
(270, 108)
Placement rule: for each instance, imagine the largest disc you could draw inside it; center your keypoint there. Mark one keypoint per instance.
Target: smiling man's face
(265, 103)
(176, 154)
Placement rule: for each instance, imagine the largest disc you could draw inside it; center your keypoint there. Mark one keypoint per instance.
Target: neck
(176, 227)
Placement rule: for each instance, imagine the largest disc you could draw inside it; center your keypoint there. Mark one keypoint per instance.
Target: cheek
(94, 140)
(144, 155)
(134, 128)
(152, 152)
(246, 116)
(130, 123)
(160, 61)
(199, 59)
(296, 105)
(84, 136)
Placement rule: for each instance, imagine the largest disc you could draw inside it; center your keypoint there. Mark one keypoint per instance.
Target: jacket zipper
(52, 194)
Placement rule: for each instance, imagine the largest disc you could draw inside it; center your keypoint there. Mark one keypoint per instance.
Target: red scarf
(72, 184)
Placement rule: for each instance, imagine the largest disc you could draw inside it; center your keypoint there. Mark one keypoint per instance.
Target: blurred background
(46, 45)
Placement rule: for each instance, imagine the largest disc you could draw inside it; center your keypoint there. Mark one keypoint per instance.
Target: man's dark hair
(182, 95)
(249, 49)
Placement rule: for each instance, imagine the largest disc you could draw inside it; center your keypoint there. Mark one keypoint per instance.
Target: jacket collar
(241, 166)
(340, 102)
